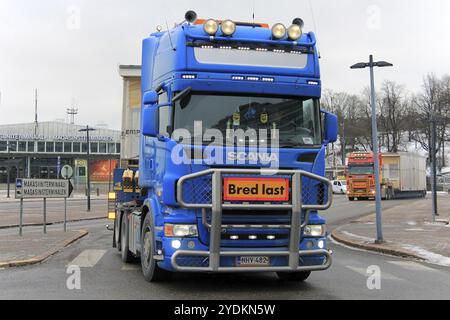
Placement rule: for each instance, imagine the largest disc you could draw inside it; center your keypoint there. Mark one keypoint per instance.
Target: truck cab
(232, 153)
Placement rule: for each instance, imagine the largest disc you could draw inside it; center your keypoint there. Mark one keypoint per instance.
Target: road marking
(88, 258)
(412, 266)
(384, 275)
(130, 267)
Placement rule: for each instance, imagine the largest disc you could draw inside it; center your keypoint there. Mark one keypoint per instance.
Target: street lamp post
(433, 167)
(371, 64)
(87, 130)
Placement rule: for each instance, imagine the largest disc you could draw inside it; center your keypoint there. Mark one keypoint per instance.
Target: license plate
(252, 261)
(256, 189)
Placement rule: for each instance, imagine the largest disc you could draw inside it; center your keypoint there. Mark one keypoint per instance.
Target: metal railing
(217, 205)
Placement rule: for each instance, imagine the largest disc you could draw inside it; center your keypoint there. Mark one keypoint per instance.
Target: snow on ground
(430, 257)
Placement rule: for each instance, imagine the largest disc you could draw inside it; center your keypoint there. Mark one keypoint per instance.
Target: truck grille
(199, 190)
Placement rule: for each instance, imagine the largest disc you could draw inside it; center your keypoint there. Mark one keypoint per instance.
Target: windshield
(297, 119)
(355, 170)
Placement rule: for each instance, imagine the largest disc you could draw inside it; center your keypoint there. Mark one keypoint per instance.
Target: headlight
(294, 32)
(228, 27)
(211, 27)
(278, 31)
(314, 231)
(180, 230)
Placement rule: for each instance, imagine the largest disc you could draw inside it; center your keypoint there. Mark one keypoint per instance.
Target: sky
(71, 50)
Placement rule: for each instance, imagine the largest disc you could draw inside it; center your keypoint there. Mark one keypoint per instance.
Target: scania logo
(253, 156)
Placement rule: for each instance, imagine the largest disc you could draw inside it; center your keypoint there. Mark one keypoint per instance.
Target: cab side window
(164, 114)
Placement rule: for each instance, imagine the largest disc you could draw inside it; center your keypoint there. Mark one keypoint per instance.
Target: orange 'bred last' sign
(256, 189)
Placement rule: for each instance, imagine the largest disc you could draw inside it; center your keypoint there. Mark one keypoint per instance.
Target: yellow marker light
(228, 27)
(278, 31)
(211, 27)
(168, 230)
(111, 215)
(294, 32)
(111, 196)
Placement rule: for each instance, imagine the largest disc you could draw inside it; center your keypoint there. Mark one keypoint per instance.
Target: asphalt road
(104, 276)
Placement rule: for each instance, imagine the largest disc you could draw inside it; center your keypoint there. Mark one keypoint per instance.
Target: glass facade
(34, 153)
(58, 147)
(67, 147)
(30, 146)
(22, 146)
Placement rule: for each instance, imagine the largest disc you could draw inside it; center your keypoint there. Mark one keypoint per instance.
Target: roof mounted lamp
(228, 27)
(278, 31)
(211, 27)
(295, 30)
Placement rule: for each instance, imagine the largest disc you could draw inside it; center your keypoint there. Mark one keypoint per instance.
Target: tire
(126, 255)
(294, 276)
(351, 199)
(150, 269)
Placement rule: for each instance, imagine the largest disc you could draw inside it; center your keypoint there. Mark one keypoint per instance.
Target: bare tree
(431, 107)
(393, 109)
(337, 102)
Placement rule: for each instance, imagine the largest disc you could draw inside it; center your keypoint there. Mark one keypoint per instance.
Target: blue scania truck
(198, 203)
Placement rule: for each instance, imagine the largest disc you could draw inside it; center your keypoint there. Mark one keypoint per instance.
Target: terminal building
(41, 150)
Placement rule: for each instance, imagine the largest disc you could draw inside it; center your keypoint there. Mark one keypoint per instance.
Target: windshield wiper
(288, 146)
(183, 94)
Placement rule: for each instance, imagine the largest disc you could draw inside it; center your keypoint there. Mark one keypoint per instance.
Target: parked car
(340, 187)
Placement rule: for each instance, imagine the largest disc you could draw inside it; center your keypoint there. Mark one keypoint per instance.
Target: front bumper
(218, 259)
(311, 257)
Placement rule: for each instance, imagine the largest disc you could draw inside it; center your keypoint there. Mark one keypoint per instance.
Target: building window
(22, 146)
(3, 146)
(12, 146)
(67, 147)
(111, 148)
(50, 147)
(117, 147)
(102, 148)
(59, 147)
(76, 147)
(94, 147)
(30, 146)
(84, 147)
(41, 146)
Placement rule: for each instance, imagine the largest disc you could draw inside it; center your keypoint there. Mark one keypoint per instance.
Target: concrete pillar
(28, 167)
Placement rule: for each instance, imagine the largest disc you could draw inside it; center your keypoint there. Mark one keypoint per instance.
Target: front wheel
(294, 276)
(150, 269)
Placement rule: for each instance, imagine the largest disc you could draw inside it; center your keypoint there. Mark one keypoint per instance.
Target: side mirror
(150, 121)
(150, 97)
(331, 127)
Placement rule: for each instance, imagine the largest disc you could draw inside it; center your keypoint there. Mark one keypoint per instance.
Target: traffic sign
(66, 172)
(42, 188)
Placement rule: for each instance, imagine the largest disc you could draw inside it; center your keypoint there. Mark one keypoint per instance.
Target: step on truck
(231, 173)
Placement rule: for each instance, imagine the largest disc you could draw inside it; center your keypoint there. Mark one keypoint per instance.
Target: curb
(379, 248)
(12, 226)
(40, 258)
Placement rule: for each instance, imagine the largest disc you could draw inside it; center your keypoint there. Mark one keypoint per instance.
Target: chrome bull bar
(296, 206)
